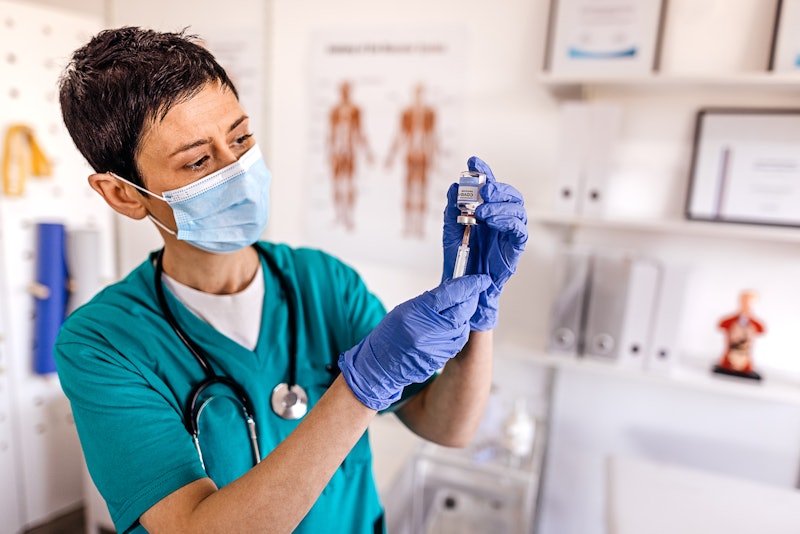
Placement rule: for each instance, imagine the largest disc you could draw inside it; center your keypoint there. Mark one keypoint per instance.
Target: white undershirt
(237, 316)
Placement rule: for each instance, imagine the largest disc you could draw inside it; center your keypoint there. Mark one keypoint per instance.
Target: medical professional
(226, 384)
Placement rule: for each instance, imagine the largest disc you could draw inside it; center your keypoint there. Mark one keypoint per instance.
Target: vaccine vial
(467, 201)
(469, 197)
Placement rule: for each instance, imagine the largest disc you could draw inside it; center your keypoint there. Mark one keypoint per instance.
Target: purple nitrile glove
(412, 342)
(496, 242)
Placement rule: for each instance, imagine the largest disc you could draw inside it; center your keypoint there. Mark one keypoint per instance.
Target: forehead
(207, 113)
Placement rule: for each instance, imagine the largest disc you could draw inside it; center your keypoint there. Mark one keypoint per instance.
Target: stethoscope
(289, 400)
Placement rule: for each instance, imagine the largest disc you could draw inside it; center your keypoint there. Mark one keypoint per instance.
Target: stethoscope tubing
(192, 409)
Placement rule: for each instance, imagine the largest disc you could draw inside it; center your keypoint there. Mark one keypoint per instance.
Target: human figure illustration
(740, 329)
(345, 139)
(416, 136)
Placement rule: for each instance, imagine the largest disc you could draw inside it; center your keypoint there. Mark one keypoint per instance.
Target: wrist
(376, 393)
(478, 347)
(485, 316)
(342, 389)
(483, 320)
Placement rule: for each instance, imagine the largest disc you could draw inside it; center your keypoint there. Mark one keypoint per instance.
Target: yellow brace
(22, 157)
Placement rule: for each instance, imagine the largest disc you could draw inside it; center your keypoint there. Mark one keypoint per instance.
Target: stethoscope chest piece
(289, 403)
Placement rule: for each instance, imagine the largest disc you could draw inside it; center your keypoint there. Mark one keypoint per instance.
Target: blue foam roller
(51, 272)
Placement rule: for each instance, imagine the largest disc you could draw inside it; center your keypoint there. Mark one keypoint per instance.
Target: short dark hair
(125, 79)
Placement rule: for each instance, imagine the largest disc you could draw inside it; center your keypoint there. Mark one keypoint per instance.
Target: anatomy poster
(385, 117)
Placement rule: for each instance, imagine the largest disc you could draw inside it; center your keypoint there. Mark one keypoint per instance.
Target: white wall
(94, 8)
(508, 120)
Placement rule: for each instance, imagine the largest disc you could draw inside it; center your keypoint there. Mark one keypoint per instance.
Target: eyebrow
(207, 140)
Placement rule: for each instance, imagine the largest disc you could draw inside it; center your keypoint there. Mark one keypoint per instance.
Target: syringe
(463, 254)
(469, 198)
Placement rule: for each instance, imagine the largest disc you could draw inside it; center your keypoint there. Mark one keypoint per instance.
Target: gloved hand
(412, 342)
(495, 243)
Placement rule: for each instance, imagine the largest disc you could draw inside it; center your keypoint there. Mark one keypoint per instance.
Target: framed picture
(785, 54)
(746, 167)
(604, 37)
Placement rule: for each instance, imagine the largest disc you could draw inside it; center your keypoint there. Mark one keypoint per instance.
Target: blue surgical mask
(224, 211)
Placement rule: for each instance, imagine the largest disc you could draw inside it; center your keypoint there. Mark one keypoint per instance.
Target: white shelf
(745, 81)
(682, 227)
(696, 377)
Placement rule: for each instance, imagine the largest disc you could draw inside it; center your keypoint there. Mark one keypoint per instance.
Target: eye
(197, 165)
(243, 139)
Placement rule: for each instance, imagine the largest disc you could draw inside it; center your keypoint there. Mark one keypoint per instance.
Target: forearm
(276, 494)
(450, 409)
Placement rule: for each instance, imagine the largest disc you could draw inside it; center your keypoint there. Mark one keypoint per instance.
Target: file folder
(665, 340)
(620, 310)
(573, 149)
(569, 302)
(605, 122)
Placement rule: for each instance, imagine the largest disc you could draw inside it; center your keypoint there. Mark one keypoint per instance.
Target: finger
(501, 209)
(501, 192)
(456, 291)
(456, 339)
(461, 313)
(477, 164)
(511, 227)
(451, 210)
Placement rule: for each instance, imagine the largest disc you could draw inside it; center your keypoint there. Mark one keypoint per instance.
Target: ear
(122, 197)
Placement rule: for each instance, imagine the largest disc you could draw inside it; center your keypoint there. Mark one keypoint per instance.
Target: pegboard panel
(35, 44)
(11, 488)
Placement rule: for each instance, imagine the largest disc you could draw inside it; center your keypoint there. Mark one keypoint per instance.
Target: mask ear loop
(162, 225)
(146, 191)
(140, 188)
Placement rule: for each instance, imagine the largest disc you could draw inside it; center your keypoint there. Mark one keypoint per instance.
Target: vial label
(468, 194)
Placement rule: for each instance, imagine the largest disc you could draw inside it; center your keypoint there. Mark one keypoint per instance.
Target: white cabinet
(688, 417)
(645, 196)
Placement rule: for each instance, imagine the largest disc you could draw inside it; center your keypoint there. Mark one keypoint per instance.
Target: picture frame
(745, 167)
(601, 38)
(785, 51)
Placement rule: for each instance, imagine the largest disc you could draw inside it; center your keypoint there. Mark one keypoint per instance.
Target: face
(196, 138)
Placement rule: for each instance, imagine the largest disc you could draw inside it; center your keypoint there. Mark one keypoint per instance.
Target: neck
(218, 274)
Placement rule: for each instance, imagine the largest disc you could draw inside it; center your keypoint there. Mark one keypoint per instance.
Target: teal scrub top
(128, 377)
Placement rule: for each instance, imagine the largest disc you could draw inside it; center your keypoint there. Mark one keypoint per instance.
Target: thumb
(477, 164)
(451, 210)
(456, 291)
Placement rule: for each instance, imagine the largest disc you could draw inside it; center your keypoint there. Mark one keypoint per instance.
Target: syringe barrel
(461, 261)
